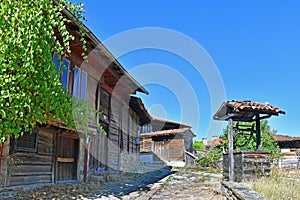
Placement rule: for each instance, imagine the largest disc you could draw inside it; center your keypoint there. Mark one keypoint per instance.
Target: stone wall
(129, 162)
(248, 165)
(235, 191)
(81, 158)
(292, 162)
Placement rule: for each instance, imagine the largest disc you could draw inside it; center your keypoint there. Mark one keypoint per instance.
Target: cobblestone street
(159, 185)
(183, 184)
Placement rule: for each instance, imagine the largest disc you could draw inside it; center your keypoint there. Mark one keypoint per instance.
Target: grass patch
(197, 169)
(282, 184)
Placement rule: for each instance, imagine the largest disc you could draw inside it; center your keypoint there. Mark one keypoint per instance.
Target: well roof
(245, 110)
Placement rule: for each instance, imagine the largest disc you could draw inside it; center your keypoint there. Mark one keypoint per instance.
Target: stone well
(248, 165)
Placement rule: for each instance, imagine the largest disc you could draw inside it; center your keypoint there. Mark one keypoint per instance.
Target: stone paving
(183, 185)
(162, 184)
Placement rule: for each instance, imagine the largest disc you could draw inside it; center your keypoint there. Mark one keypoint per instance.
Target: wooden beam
(230, 151)
(243, 119)
(65, 160)
(258, 135)
(265, 117)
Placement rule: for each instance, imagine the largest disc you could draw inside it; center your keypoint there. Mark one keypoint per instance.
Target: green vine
(84, 114)
(30, 91)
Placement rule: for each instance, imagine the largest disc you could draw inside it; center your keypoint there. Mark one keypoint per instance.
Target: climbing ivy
(84, 113)
(30, 91)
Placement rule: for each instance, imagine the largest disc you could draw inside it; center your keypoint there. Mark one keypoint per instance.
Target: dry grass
(282, 184)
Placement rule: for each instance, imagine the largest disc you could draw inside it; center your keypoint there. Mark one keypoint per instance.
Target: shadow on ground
(118, 185)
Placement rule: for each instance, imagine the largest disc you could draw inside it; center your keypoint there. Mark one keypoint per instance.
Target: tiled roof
(215, 142)
(255, 106)
(172, 122)
(283, 138)
(245, 110)
(165, 132)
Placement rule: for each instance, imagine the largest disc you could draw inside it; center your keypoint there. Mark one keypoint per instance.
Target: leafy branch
(30, 91)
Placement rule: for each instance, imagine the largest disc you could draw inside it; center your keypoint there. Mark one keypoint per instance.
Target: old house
(290, 149)
(290, 143)
(167, 141)
(214, 142)
(54, 153)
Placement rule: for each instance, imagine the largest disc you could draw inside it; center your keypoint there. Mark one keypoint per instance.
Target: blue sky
(255, 45)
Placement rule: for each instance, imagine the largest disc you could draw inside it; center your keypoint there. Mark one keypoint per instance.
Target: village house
(290, 149)
(214, 142)
(288, 143)
(54, 153)
(167, 141)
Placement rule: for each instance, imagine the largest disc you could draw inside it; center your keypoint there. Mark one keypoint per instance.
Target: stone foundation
(235, 191)
(129, 162)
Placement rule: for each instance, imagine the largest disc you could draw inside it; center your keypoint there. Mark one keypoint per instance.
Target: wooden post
(230, 151)
(258, 135)
(1, 153)
(86, 159)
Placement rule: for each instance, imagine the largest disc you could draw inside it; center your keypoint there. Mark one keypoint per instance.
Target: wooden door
(176, 150)
(66, 158)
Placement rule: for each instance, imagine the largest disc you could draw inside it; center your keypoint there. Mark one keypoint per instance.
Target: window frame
(66, 72)
(104, 117)
(61, 68)
(27, 149)
(85, 84)
(79, 87)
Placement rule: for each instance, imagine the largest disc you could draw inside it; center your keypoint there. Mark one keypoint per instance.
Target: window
(56, 61)
(121, 145)
(62, 71)
(76, 85)
(80, 82)
(83, 85)
(147, 128)
(27, 142)
(65, 73)
(104, 104)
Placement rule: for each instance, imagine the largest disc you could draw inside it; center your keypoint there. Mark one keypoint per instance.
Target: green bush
(199, 145)
(246, 141)
(210, 159)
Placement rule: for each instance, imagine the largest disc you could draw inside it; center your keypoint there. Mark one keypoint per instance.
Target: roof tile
(255, 106)
(165, 132)
(282, 138)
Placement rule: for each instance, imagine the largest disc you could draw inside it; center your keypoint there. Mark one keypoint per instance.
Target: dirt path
(162, 184)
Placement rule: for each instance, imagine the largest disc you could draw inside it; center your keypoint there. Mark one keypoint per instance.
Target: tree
(30, 91)
(198, 145)
(246, 141)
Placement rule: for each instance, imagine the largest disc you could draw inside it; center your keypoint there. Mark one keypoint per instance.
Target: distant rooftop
(283, 138)
(170, 132)
(182, 125)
